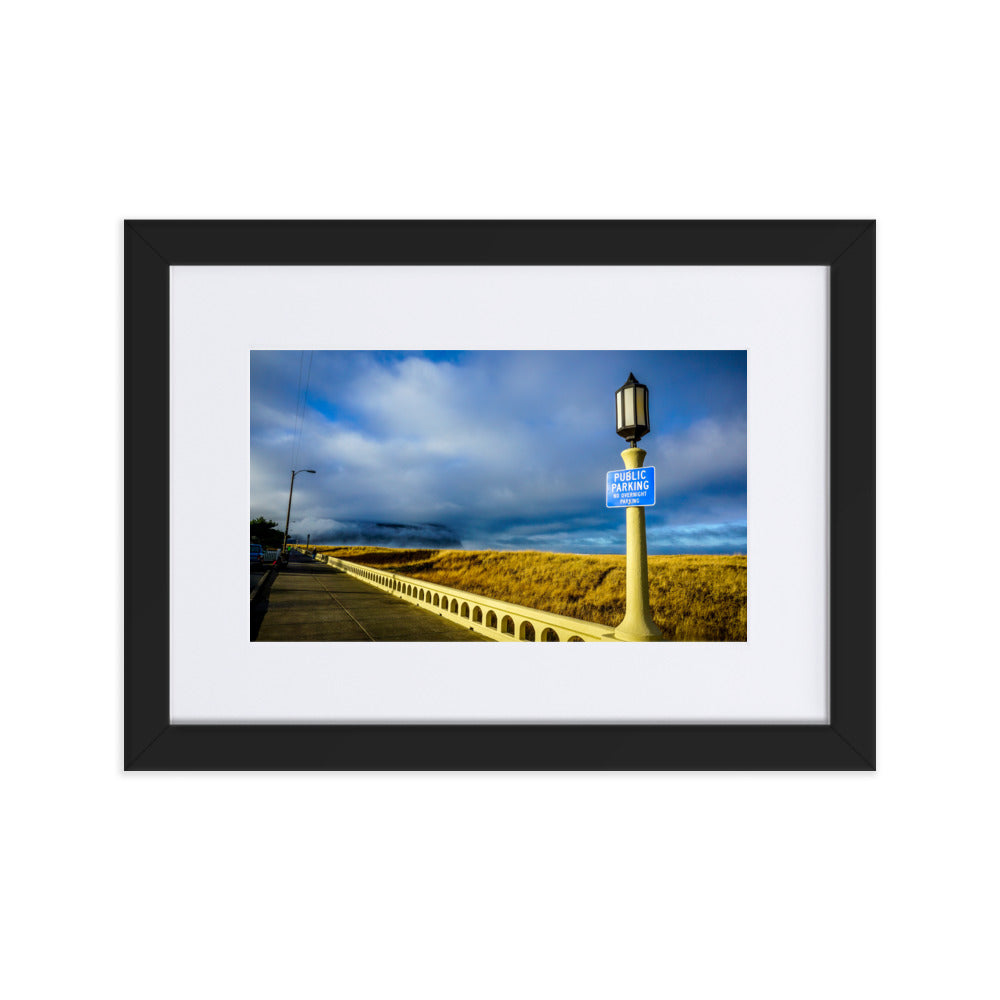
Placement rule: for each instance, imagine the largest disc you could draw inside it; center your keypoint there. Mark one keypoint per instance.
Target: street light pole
(632, 412)
(288, 516)
(638, 624)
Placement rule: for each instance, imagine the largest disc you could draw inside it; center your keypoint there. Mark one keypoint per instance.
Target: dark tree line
(266, 532)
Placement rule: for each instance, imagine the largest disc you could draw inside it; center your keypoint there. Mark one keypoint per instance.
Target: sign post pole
(634, 489)
(638, 624)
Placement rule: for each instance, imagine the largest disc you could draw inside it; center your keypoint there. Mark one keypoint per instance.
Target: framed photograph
(590, 495)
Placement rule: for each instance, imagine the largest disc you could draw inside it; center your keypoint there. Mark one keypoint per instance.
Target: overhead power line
(302, 408)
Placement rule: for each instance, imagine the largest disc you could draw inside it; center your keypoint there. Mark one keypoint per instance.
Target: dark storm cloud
(505, 449)
(330, 532)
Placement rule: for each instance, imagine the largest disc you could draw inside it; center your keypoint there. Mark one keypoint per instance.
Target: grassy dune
(694, 598)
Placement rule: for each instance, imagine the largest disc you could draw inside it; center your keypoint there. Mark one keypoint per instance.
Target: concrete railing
(498, 620)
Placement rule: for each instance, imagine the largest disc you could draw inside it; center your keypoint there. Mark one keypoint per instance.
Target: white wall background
(498, 885)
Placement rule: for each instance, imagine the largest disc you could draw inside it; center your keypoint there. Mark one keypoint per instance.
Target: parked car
(256, 552)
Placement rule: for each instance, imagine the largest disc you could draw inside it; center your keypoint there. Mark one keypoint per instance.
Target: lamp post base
(646, 632)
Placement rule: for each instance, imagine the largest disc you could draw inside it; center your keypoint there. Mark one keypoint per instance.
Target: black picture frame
(152, 742)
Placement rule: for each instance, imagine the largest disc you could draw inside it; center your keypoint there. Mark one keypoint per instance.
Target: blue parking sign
(632, 487)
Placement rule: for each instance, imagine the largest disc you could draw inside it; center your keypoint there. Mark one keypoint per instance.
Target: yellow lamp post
(632, 414)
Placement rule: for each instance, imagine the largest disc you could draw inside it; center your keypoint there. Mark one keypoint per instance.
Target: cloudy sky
(496, 449)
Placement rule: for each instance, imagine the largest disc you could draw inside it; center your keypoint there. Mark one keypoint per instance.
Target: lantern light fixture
(632, 410)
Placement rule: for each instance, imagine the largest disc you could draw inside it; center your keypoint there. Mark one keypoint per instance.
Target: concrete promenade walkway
(312, 602)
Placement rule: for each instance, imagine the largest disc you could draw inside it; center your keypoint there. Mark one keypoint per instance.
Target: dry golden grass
(693, 598)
